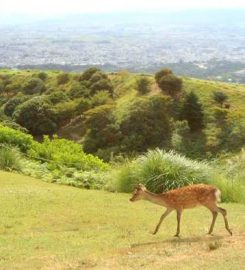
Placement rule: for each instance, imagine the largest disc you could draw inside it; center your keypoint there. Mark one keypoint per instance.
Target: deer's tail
(217, 195)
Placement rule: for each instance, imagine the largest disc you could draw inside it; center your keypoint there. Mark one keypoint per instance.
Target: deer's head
(138, 193)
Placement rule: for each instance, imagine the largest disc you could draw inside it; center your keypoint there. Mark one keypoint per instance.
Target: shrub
(85, 179)
(10, 106)
(143, 85)
(66, 153)
(100, 98)
(65, 111)
(79, 90)
(220, 97)
(9, 159)
(87, 74)
(168, 82)
(58, 97)
(34, 86)
(37, 116)
(16, 138)
(146, 124)
(161, 73)
(171, 84)
(97, 76)
(12, 87)
(161, 171)
(100, 85)
(63, 78)
(192, 111)
(102, 131)
(42, 75)
(84, 104)
(180, 136)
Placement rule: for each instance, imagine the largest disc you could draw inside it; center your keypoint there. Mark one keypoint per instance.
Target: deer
(184, 198)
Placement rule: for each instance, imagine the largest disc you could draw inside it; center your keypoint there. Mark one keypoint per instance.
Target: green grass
(47, 226)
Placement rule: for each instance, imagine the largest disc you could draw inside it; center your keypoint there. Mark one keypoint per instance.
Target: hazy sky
(47, 7)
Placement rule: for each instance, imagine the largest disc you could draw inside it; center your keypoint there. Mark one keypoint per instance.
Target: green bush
(143, 85)
(37, 116)
(161, 171)
(100, 98)
(58, 97)
(102, 130)
(85, 179)
(65, 111)
(62, 152)
(10, 106)
(79, 90)
(34, 86)
(146, 124)
(103, 84)
(192, 111)
(161, 73)
(83, 105)
(220, 97)
(87, 74)
(42, 75)
(97, 76)
(9, 159)
(15, 138)
(63, 78)
(168, 82)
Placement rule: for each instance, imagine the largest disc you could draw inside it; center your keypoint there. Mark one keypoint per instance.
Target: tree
(146, 124)
(168, 82)
(161, 73)
(87, 74)
(103, 84)
(63, 78)
(192, 112)
(102, 131)
(143, 85)
(171, 84)
(34, 86)
(79, 90)
(42, 75)
(37, 116)
(10, 106)
(220, 97)
(58, 97)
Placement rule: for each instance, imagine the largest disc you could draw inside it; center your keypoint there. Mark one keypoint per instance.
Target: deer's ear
(142, 187)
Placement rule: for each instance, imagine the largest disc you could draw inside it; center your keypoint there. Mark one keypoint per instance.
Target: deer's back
(191, 196)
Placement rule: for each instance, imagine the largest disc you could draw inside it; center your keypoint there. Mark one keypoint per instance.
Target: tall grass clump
(9, 159)
(161, 171)
(230, 177)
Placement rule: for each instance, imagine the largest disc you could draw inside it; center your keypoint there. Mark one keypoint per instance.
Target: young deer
(183, 198)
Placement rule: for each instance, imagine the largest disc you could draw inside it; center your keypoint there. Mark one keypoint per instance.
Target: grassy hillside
(204, 89)
(104, 112)
(46, 226)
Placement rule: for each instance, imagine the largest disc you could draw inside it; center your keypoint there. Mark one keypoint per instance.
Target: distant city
(198, 46)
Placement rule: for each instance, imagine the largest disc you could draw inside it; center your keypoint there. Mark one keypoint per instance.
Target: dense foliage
(56, 160)
(126, 114)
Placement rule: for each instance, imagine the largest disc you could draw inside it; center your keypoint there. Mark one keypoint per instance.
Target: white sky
(47, 7)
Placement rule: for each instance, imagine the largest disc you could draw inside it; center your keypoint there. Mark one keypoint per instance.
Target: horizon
(79, 7)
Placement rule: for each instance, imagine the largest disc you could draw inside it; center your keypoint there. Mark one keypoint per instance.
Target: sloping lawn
(46, 226)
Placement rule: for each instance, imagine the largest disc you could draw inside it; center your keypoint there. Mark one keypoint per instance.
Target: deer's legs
(179, 212)
(168, 211)
(224, 213)
(213, 221)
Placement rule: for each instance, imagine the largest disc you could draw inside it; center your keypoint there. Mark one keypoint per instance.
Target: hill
(46, 226)
(100, 110)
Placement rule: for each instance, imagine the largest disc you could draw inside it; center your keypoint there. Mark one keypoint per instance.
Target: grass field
(47, 226)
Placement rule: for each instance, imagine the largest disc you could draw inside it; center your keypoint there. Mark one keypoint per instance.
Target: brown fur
(184, 198)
